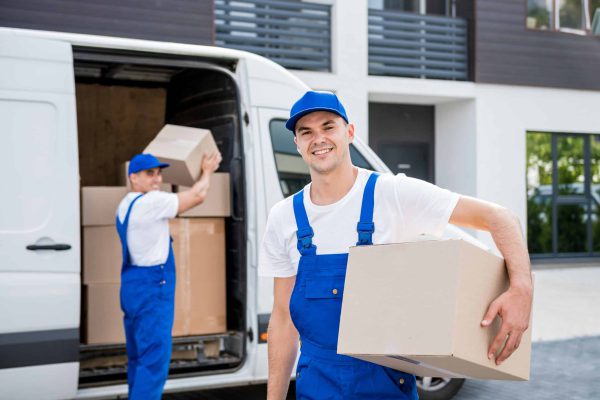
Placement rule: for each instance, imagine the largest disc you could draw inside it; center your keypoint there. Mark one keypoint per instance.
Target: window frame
(585, 199)
(555, 19)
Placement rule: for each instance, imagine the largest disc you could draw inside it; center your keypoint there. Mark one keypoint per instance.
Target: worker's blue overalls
(315, 308)
(148, 302)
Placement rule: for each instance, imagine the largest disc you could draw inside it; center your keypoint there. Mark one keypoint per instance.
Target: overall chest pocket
(329, 287)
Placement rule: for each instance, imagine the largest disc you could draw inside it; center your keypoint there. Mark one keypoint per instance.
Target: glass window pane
(595, 189)
(539, 14)
(570, 164)
(402, 5)
(570, 14)
(595, 16)
(437, 7)
(572, 228)
(539, 192)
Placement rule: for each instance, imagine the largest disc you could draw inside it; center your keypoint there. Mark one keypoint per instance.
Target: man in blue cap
(148, 270)
(306, 244)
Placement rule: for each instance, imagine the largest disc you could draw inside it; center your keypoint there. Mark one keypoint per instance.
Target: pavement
(565, 354)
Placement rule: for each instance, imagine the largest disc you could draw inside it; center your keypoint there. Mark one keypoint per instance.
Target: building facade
(494, 99)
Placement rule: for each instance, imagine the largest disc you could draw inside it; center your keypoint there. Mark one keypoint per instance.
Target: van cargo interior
(123, 100)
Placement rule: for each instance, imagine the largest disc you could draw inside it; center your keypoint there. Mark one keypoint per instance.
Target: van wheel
(438, 388)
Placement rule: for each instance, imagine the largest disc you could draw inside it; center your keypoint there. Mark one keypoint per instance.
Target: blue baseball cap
(315, 101)
(141, 162)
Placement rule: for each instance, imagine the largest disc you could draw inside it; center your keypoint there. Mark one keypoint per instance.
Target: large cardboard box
(218, 201)
(102, 254)
(417, 307)
(99, 204)
(103, 321)
(200, 303)
(124, 179)
(183, 148)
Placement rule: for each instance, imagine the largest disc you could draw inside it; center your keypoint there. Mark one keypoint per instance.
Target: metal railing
(414, 45)
(295, 34)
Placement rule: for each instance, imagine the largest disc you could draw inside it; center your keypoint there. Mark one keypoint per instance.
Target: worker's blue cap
(141, 162)
(315, 101)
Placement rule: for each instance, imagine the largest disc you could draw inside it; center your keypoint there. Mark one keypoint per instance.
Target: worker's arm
(514, 305)
(198, 192)
(282, 340)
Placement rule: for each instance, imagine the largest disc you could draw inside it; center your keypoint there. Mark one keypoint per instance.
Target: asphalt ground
(563, 369)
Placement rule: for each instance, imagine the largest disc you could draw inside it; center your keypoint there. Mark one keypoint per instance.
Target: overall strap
(304, 232)
(122, 230)
(366, 227)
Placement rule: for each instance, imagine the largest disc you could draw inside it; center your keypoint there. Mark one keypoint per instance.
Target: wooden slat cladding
(506, 52)
(183, 21)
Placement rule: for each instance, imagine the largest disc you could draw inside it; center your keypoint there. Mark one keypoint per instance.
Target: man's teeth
(322, 151)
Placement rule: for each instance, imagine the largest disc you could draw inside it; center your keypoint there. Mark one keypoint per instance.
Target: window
(565, 15)
(434, 7)
(563, 194)
(291, 169)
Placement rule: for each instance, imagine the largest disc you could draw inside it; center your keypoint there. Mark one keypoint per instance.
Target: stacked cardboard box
(103, 322)
(417, 307)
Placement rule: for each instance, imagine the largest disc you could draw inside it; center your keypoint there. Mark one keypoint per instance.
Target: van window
(292, 171)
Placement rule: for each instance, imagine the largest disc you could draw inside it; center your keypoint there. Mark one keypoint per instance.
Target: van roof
(120, 43)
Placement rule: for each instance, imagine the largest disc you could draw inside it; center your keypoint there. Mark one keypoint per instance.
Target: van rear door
(39, 220)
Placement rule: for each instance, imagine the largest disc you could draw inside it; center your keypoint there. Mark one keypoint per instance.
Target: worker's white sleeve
(274, 260)
(426, 207)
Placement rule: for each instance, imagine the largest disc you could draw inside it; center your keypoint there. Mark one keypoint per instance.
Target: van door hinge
(251, 334)
(246, 118)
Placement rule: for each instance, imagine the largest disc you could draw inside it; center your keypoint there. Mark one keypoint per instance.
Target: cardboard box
(102, 255)
(99, 204)
(200, 303)
(183, 148)
(417, 307)
(124, 179)
(218, 201)
(103, 322)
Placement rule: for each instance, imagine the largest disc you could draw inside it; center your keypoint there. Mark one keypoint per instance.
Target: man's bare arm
(514, 305)
(198, 192)
(282, 340)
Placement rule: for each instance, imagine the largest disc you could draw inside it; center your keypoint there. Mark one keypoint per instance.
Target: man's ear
(350, 132)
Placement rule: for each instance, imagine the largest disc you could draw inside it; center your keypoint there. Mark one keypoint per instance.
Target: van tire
(439, 389)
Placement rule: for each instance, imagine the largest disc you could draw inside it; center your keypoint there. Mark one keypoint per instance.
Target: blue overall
(315, 308)
(148, 302)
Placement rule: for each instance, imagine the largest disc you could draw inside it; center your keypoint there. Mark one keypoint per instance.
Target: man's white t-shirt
(404, 209)
(148, 233)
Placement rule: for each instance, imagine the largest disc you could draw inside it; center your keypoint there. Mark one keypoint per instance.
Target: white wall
(504, 115)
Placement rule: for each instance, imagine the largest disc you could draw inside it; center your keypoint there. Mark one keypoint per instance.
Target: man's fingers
(491, 313)
(512, 343)
(497, 342)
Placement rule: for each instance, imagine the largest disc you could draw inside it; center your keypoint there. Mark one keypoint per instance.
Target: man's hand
(211, 163)
(514, 308)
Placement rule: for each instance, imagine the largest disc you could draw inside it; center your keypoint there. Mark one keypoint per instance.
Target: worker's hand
(211, 162)
(514, 308)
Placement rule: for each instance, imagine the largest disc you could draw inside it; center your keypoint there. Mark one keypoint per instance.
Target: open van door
(39, 220)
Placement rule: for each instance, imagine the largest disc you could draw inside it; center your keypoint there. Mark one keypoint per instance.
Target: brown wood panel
(114, 123)
(185, 21)
(506, 52)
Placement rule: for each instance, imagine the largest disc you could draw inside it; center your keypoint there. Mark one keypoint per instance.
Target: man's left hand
(514, 308)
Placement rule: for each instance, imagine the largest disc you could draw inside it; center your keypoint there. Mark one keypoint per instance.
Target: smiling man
(148, 270)
(306, 245)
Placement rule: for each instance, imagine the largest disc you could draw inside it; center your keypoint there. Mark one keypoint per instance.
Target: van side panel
(39, 220)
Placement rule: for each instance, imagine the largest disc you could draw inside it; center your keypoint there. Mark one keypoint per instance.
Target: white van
(241, 97)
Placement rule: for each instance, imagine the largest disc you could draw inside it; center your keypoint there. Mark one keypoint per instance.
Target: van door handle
(57, 247)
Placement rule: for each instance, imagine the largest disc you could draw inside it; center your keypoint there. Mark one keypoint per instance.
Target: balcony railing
(295, 34)
(414, 45)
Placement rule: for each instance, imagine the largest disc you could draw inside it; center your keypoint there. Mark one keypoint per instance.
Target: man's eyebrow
(303, 128)
(329, 122)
